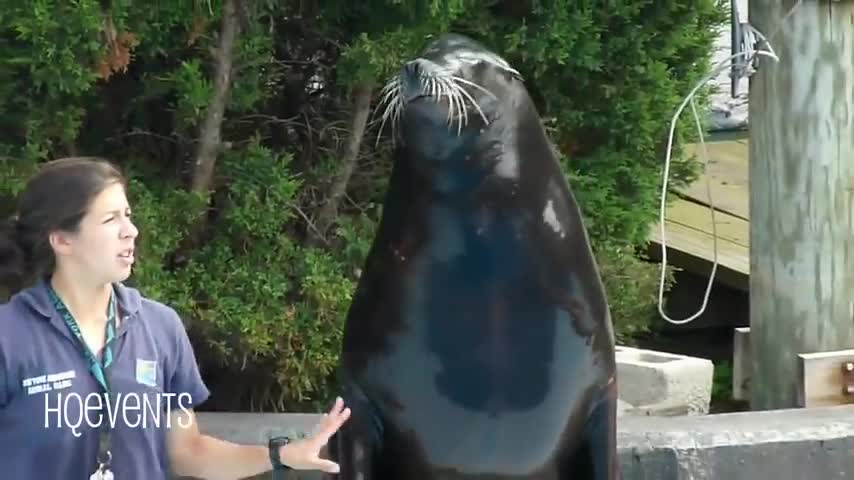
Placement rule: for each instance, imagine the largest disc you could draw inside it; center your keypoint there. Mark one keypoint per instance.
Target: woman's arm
(201, 456)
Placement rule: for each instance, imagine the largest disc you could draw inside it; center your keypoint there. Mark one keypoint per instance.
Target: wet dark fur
(479, 343)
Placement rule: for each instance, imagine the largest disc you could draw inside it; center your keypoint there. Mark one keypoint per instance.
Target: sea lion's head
(441, 103)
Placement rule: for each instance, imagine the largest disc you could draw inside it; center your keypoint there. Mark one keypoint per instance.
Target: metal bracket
(738, 64)
(848, 379)
(826, 378)
(742, 41)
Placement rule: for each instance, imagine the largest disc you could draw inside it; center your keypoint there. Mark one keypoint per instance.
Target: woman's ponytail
(13, 258)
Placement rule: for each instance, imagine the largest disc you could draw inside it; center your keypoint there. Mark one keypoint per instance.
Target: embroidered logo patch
(146, 372)
(48, 382)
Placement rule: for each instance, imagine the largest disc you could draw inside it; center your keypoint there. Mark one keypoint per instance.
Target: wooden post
(801, 193)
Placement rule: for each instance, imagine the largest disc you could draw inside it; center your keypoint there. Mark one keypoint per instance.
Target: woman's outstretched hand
(304, 454)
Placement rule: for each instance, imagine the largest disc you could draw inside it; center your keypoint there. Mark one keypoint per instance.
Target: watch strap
(274, 446)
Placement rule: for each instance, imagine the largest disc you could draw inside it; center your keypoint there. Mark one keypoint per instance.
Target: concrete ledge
(800, 444)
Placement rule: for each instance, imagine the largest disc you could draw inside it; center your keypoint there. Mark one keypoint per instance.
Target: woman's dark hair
(57, 197)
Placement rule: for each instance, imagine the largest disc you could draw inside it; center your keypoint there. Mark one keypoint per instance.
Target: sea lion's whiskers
(462, 101)
(439, 90)
(382, 126)
(394, 82)
(393, 88)
(472, 84)
(425, 80)
(453, 100)
(397, 113)
(451, 106)
(380, 130)
(462, 115)
(474, 103)
(390, 90)
(438, 84)
(471, 99)
(390, 97)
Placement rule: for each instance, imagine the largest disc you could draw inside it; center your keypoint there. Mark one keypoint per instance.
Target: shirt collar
(36, 297)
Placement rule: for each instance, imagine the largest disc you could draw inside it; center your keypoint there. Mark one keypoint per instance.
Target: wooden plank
(727, 135)
(741, 364)
(688, 229)
(689, 221)
(727, 175)
(699, 217)
(822, 378)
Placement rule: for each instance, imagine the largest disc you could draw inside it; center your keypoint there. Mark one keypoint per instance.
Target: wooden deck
(688, 226)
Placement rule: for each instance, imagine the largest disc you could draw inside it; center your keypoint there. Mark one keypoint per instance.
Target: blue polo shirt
(50, 402)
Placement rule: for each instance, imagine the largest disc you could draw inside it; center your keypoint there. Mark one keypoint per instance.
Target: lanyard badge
(103, 473)
(99, 370)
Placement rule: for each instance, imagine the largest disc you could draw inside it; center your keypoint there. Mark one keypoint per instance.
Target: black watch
(274, 445)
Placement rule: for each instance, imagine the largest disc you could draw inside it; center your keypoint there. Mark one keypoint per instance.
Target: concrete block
(665, 384)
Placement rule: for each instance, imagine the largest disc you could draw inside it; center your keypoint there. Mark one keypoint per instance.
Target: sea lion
(479, 343)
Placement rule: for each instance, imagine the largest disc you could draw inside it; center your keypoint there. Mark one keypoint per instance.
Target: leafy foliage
(134, 82)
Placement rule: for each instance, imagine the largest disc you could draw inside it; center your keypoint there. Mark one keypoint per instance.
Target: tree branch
(361, 106)
(210, 133)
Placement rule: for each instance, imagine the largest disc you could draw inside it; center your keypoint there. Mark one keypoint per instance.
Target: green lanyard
(98, 369)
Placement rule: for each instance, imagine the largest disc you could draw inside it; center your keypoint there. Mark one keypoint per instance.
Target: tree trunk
(210, 133)
(801, 193)
(329, 210)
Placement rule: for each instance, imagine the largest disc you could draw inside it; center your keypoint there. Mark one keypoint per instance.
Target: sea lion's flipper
(355, 447)
(597, 454)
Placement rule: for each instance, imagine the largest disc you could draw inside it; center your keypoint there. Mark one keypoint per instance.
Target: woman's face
(103, 247)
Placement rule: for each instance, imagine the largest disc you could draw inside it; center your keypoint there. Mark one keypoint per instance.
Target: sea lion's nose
(413, 77)
(415, 68)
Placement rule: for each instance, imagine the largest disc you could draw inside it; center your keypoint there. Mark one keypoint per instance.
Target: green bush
(263, 303)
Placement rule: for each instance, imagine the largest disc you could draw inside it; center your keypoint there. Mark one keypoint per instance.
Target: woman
(75, 332)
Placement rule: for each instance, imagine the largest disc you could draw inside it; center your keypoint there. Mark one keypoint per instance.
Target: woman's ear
(60, 242)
